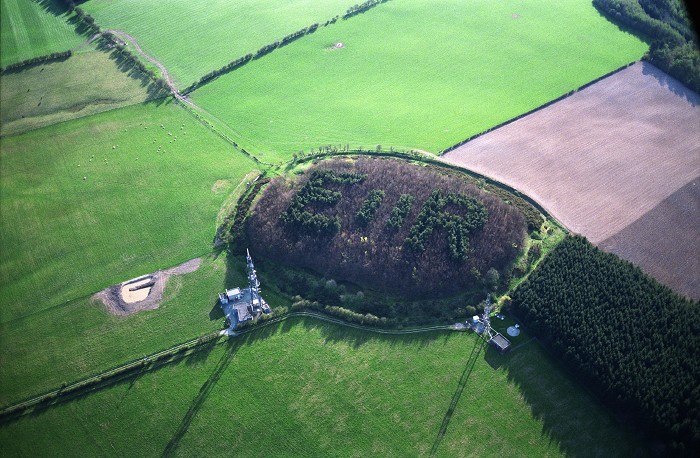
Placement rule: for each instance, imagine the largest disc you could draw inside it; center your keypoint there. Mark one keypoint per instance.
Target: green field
(92, 202)
(87, 83)
(312, 389)
(32, 28)
(81, 338)
(194, 38)
(421, 74)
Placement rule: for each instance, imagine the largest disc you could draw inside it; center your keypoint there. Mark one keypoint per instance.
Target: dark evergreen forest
(631, 339)
(674, 44)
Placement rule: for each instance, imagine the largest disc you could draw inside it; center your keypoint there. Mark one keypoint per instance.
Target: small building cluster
(241, 305)
(482, 326)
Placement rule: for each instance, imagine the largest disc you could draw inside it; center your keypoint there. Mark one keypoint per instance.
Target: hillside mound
(388, 225)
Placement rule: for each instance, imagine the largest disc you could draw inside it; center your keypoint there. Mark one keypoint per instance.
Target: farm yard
(427, 89)
(127, 208)
(31, 28)
(322, 390)
(584, 158)
(192, 39)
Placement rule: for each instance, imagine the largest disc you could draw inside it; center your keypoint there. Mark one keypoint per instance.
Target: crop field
(87, 83)
(194, 38)
(334, 392)
(663, 241)
(418, 74)
(32, 28)
(584, 158)
(103, 199)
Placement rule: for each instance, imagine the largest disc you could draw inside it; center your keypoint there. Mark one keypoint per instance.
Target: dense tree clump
(400, 211)
(674, 47)
(630, 338)
(458, 226)
(369, 207)
(300, 218)
(350, 219)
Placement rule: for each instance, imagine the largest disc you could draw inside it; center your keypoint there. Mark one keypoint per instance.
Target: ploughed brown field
(618, 162)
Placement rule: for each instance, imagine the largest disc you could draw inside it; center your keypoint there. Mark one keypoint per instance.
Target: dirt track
(603, 158)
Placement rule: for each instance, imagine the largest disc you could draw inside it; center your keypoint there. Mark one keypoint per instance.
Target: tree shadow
(563, 405)
(60, 10)
(670, 83)
(125, 64)
(53, 7)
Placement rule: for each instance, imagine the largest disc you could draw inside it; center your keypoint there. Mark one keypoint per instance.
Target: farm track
(193, 108)
(164, 71)
(117, 373)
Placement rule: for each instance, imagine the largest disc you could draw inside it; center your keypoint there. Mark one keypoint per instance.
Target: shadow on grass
(468, 368)
(571, 417)
(54, 7)
(202, 396)
(216, 313)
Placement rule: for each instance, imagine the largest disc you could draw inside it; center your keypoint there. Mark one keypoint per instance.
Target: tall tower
(486, 319)
(257, 303)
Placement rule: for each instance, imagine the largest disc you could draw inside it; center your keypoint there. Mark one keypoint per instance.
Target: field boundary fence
(172, 354)
(534, 110)
(105, 378)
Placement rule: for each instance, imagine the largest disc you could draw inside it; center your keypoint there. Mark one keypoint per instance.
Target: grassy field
(416, 74)
(194, 38)
(81, 338)
(87, 83)
(99, 200)
(32, 28)
(311, 389)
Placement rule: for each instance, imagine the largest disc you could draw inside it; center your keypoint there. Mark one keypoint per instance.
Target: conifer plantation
(633, 340)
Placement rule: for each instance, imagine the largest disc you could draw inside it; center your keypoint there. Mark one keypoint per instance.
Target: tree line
(631, 339)
(129, 62)
(264, 50)
(290, 220)
(53, 57)
(308, 288)
(361, 8)
(674, 47)
(369, 207)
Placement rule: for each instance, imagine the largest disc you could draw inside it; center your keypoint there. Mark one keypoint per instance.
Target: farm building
(482, 326)
(241, 305)
(500, 343)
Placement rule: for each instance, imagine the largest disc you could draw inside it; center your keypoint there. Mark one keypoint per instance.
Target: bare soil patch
(659, 241)
(142, 293)
(603, 158)
(220, 186)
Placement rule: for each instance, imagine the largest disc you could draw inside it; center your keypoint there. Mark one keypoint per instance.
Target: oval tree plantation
(388, 225)
(226, 229)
